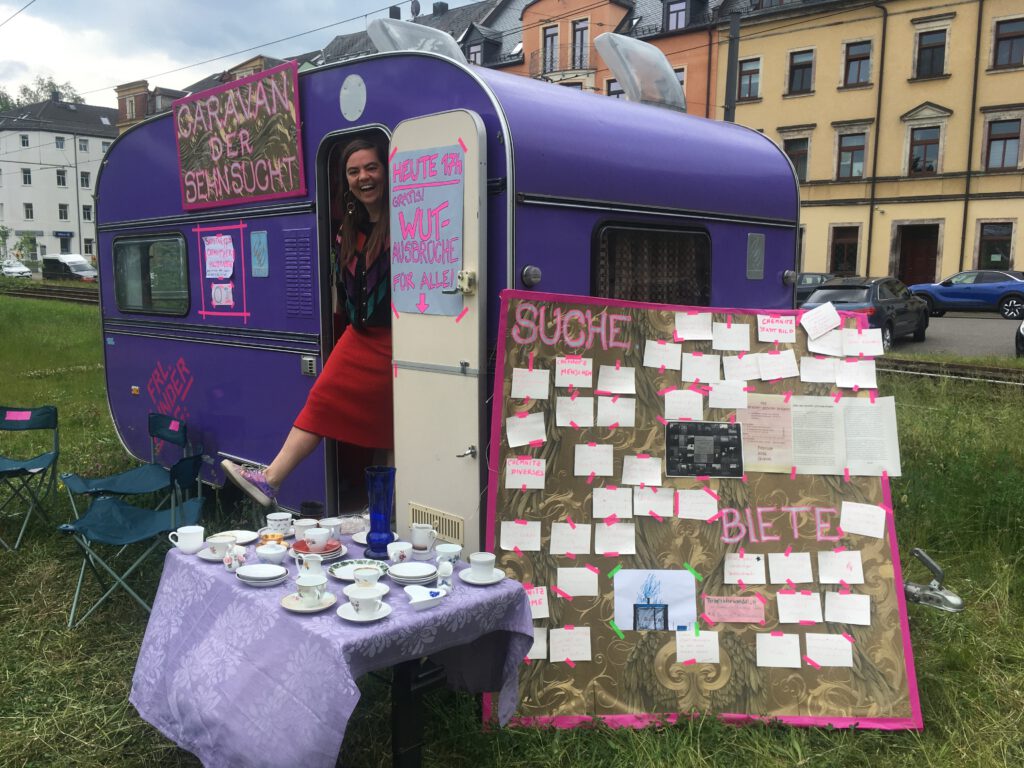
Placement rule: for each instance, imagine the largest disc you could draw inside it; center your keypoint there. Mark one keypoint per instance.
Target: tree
(42, 89)
(6, 102)
(5, 235)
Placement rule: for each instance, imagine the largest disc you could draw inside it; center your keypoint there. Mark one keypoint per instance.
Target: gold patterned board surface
(716, 647)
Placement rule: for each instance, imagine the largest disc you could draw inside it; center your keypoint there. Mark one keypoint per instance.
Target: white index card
(780, 328)
(641, 469)
(648, 500)
(695, 326)
(574, 370)
(820, 320)
(830, 343)
(778, 649)
(658, 354)
(799, 607)
(569, 644)
(837, 567)
(574, 539)
(731, 337)
(778, 365)
(523, 429)
(539, 649)
(702, 648)
(796, 567)
(578, 582)
(684, 405)
(848, 609)
(578, 411)
(538, 597)
(728, 394)
(741, 367)
(619, 538)
(749, 568)
(619, 380)
(697, 505)
(613, 500)
(862, 342)
(524, 534)
(855, 372)
(593, 458)
(862, 519)
(699, 366)
(525, 473)
(829, 650)
(616, 411)
(527, 383)
(818, 370)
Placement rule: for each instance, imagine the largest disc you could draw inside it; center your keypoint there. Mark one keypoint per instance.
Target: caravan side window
(151, 274)
(664, 266)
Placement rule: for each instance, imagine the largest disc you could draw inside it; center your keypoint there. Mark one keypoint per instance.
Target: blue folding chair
(27, 480)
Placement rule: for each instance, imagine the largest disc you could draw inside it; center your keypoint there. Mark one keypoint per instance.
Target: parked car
(988, 290)
(14, 268)
(806, 282)
(68, 266)
(886, 301)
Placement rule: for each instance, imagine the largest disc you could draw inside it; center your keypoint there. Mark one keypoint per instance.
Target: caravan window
(151, 275)
(663, 266)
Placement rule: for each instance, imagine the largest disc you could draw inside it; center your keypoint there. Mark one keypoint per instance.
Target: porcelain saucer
(468, 577)
(208, 556)
(242, 537)
(270, 583)
(294, 603)
(348, 613)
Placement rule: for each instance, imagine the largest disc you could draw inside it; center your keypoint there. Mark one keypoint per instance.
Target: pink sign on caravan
(240, 142)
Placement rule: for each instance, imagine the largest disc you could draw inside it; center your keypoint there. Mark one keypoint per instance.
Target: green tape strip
(696, 575)
(618, 631)
(696, 628)
(613, 571)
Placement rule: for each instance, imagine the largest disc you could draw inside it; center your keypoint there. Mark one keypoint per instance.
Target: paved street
(975, 334)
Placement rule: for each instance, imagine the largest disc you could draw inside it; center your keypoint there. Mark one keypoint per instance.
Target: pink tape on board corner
(688, 662)
(18, 416)
(743, 478)
(394, 367)
(728, 321)
(590, 479)
(663, 420)
(613, 426)
(790, 584)
(611, 554)
(603, 392)
(519, 521)
(740, 581)
(676, 337)
(395, 310)
(732, 418)
(615, 398)
(661, 368)
(873, 395)
(536, 443)
(837, 550)
(715, 517)
(574, 394)
(523, 488)
(522, 415)
(618, 365)
(527, 660)
(807, 622)
(837, 396)
(569, 627)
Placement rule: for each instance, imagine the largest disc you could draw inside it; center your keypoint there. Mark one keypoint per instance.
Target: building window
(931, 54)
(474, 54)
(24, 139)
(129, 108)
(801, 66)
(750, 80)
(550, 49)
(1003, 145)
(666, 266)
(104, 146)
(26, 176)
(924, 151)
(83, 145)
(994, 245)
(62, 211)
(84, 179)
(614, 89)
(88, 247)
(843, 254)
(151, 275)
(858, 63)
(62, 177)
(675, 14)
(29, 212)
(58, 142)
(86, 213)
(796, 151)
(580, 49)
(1009, 46)
(851, 156)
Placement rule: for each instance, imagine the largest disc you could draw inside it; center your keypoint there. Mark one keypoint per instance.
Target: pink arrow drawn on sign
(422, 306)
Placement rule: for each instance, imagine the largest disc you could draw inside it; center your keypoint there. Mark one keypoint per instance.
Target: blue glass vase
(380, 493)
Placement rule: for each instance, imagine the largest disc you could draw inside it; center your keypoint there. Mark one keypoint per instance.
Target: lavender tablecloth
(228, 674)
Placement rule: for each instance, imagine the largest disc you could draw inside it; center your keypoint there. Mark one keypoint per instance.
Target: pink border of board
(265, 74)
(914, 722)
(203, 312)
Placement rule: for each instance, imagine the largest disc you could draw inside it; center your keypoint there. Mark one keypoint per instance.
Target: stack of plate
(413, 573)
(262, 574)
(334, 550)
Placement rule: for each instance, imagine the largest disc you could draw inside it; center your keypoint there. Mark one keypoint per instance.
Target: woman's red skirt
(351, 399)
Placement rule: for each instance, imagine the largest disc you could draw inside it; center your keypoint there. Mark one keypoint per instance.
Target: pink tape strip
(611, 554)
(787, 395)
(849, 637)
(570, 522)
(688, 662)
(654, 514)
(715, 516)
(590, 479)
(519, 521)
(518, 551)
(740, 581)
(574, 425)
(778, 634)
(174, 426)
(612, 519)
(570, 555)
(742, 553)
(812, 662)
(763, 600)
(562, 594)
(788, 551)
(592, 568)
(846, 474)
(792, 473)
(707, 620)
(710, 493)
(807, 622)
(19, 416)
(663, 420)
(570, 662)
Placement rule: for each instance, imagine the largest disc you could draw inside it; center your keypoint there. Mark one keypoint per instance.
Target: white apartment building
(50, 155)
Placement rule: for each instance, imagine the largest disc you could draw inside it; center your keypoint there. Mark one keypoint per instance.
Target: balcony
(562, 60)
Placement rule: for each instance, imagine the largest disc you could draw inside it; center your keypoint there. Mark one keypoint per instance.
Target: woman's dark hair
(355, 215)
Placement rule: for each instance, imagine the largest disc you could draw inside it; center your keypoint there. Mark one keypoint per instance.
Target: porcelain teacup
(448, 553)
(311, 589)
(366, 601)
(333, 525)
(221, 544)
(366, 576)
(482, 565)
(316, 539)
(301, 526)
(399, 551)
(188, 538)
(279, 521)
(422, 536)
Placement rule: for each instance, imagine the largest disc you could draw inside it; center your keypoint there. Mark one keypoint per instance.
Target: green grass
(64, 694)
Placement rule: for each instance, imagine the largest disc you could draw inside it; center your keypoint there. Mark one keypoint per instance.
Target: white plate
(424, 581)
(242, 537)
(294, 603)
(261, 572)
(326, 558)
(410, 571)
(360, 538)
(344, 571)
(208, 556)
(468, 577)
(348, 613)
(270, 583)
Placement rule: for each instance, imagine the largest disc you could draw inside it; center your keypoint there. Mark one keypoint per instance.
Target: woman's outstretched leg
(261, 483)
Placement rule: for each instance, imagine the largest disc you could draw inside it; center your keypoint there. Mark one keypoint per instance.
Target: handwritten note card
(572, 644)
(696, 505)
(578, 411)
(799, 607)
(523, 430)
(794, 567)
(220, 256)
(734, 337)
(661, 354)
(620, 380)
(866, 342)
(616, 411)
(525, 472)
(820, 370)
(820, 320)
(777, 649)
(522, 534)
(577, 371)
(578, 582)
(538, 597)
(533, 384)
(780, 328)
(830, 343)
(748, 568)
(734, 609)
(613, 500)
(658, 501)
(702, 648)
(854, 372)
(862, 519)
(641, 470)
(539, 649)
(837, 567)
(829, 650)
(693, 327)
(728, 394)
(620, 538)
(745, 368)
(778, 365)
(848, 609)
(684, 405)
(593, 459)
(700, 367)
(573, 538)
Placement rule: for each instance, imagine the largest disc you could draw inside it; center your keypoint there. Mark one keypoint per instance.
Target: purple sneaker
(252, 480)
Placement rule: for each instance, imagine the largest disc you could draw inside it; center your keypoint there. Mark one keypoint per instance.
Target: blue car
(886, 301)
(986, 290)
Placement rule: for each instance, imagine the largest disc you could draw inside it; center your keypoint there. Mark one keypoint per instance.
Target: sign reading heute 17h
(427, 188)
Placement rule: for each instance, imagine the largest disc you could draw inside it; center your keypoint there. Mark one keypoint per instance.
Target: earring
(350, 209)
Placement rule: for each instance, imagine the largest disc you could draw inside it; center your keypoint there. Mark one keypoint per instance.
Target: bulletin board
(697, 502)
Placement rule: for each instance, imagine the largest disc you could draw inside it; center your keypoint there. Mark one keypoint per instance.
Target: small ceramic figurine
(444, 576)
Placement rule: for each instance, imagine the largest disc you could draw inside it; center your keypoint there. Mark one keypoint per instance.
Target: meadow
(64, 693)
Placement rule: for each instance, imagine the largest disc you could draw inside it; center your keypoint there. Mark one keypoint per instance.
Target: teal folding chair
(26, 482)
(111, 526)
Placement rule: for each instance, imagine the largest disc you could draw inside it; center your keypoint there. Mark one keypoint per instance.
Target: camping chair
(112, 521)
(28, 480)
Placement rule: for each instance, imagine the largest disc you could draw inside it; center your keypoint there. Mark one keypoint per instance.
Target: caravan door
(438, 174)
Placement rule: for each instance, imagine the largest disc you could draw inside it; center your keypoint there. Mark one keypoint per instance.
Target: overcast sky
(98, 44)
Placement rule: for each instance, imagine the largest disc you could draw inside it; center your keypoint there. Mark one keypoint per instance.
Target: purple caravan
(215, 234)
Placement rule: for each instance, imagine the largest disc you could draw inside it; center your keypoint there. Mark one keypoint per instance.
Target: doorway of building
(918, 247)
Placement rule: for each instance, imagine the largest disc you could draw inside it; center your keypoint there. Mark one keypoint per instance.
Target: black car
(807, 282)
(886, 301)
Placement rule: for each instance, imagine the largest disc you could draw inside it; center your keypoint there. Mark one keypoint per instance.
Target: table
(228, 674)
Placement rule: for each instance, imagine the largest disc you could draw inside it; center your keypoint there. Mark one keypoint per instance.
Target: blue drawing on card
(260, 257)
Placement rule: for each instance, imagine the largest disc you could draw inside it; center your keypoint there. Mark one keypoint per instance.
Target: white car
(14, 268)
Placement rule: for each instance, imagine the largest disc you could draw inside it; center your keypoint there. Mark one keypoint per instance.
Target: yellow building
(903, 120)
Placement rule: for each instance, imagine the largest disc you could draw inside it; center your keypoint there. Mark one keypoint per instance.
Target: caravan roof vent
(394, 35)
(642, 70)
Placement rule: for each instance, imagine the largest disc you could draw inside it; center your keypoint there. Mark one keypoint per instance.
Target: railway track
(55, 293)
